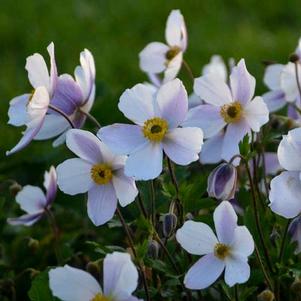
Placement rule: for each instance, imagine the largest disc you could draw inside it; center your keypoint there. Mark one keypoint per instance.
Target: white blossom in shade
(158, 57)
(157, 117)
(286, 187)
(230, 108)
(120, 281)
(97, 171)
(34, 201)
(228, 251)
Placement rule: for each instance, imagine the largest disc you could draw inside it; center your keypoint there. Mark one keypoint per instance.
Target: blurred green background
(115, 32)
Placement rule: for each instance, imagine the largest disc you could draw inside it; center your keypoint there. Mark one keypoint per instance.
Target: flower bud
(294, 58)
(266, 295)
(15, 188)
(153, 249)
(222, 182)
(169, 224)
(296, 287)
(93, 268)
(33, 244)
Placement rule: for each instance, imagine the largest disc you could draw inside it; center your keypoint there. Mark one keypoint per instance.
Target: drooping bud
(294, 58)
(15, 188)
(169, 224)
(33, 244)
(222, 182)
(153, 249)
(93, 268)
(266, 295)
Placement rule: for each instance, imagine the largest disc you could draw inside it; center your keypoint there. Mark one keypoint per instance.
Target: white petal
(272, 76)
(256, 113)
(237, 270)
(225, 221)
(120, 276)
(173, 67)
(172, 101)
(17, 110)
(243, 243)
(196, 238)
(50, 184)
(289, 150)
(212, 149)
(152, 57)
(125, 188)
(31, 199)
(275, 100)
(212, 89)
(182, 145)
(85, 145)
(206, 117)
(70, 284)
(204, 272)
(74, 176)
(285, 194)
(175, 32)
(216, 66)
(139, 165)
(289, 83)
(137, 103)
(102, 203)
(53, 69)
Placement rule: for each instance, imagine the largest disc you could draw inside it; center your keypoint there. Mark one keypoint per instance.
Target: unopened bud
(294, 58)
(169, 224)
(266, 295)
(15, 188)
(222, 182)
(153, 249)
(93, 268)
(296, 287)
(33, 244)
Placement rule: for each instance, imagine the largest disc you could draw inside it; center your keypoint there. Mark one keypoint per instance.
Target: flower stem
(153, 202)
(62, 114)
(141, 206)
(131, 242)
(189, 71)
(91, 118)
(282, 248)
(297, 78)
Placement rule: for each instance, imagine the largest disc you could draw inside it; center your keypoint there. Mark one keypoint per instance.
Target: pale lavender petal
(243, 243)
(285, 194)
(17, 112)
(122, 138)
(237, 270)
(50, 184)
(139, 165)
(60, 140)
(242, 83)
(182, 145)
(212, 89)
(152, 57)
(206, 117)
(125, 188)
(295, 233)
(204, 272)
(272, 165)
(289, 83)
(120, 276)
(212, 149)
(173, 67)
(85, 145)
(292, 112)
(275, 100)
(102, 203)
(53, 69)
(272, 76)
(26, 219)
(172, 101)
(216, 66)
(225, 220)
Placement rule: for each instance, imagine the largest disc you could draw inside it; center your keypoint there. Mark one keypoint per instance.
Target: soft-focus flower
(120, 280)
(286, 187)
(294, 231)
(97, 171)
(222, 182)
(230, 108)
(158, 57)
(157, 117)
(34, 201)
(228, 251)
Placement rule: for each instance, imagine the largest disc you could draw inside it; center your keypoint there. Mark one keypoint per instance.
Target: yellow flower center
(231, 112)
(155, 129)
(101, 174)
(99, 297)
(221, 251)
(172, 52)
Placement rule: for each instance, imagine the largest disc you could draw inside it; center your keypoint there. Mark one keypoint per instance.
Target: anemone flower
(157, 117)
(228, 251)
(97, 171)
(120, 281)
(34, 201)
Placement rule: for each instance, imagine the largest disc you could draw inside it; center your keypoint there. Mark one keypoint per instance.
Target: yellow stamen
(231, 112)
(171, 53)
(155, 129)
(101, 174)
(221, 251)
(100, 297)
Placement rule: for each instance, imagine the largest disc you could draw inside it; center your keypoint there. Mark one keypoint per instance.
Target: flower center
(172, 52)
(221, 251)
(101, 174)
(155, 129)
(231, 112)
(99, 297)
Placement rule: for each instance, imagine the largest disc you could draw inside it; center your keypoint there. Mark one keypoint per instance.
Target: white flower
(228, 251)
(97, 171)
(120, 281)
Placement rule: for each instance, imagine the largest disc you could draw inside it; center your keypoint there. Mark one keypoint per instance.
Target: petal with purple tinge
(50, 184)
(26, 219)
(272, 76)
(212, 149)
(237, 270)
(17, 110)
(275, 100)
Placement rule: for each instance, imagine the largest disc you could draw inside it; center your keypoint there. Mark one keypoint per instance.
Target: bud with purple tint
(222, 182)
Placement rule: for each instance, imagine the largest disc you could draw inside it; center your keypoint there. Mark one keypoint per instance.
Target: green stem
(62, 114)
(91, 118)
(282, 248)
(189, 71)
(153, 202)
